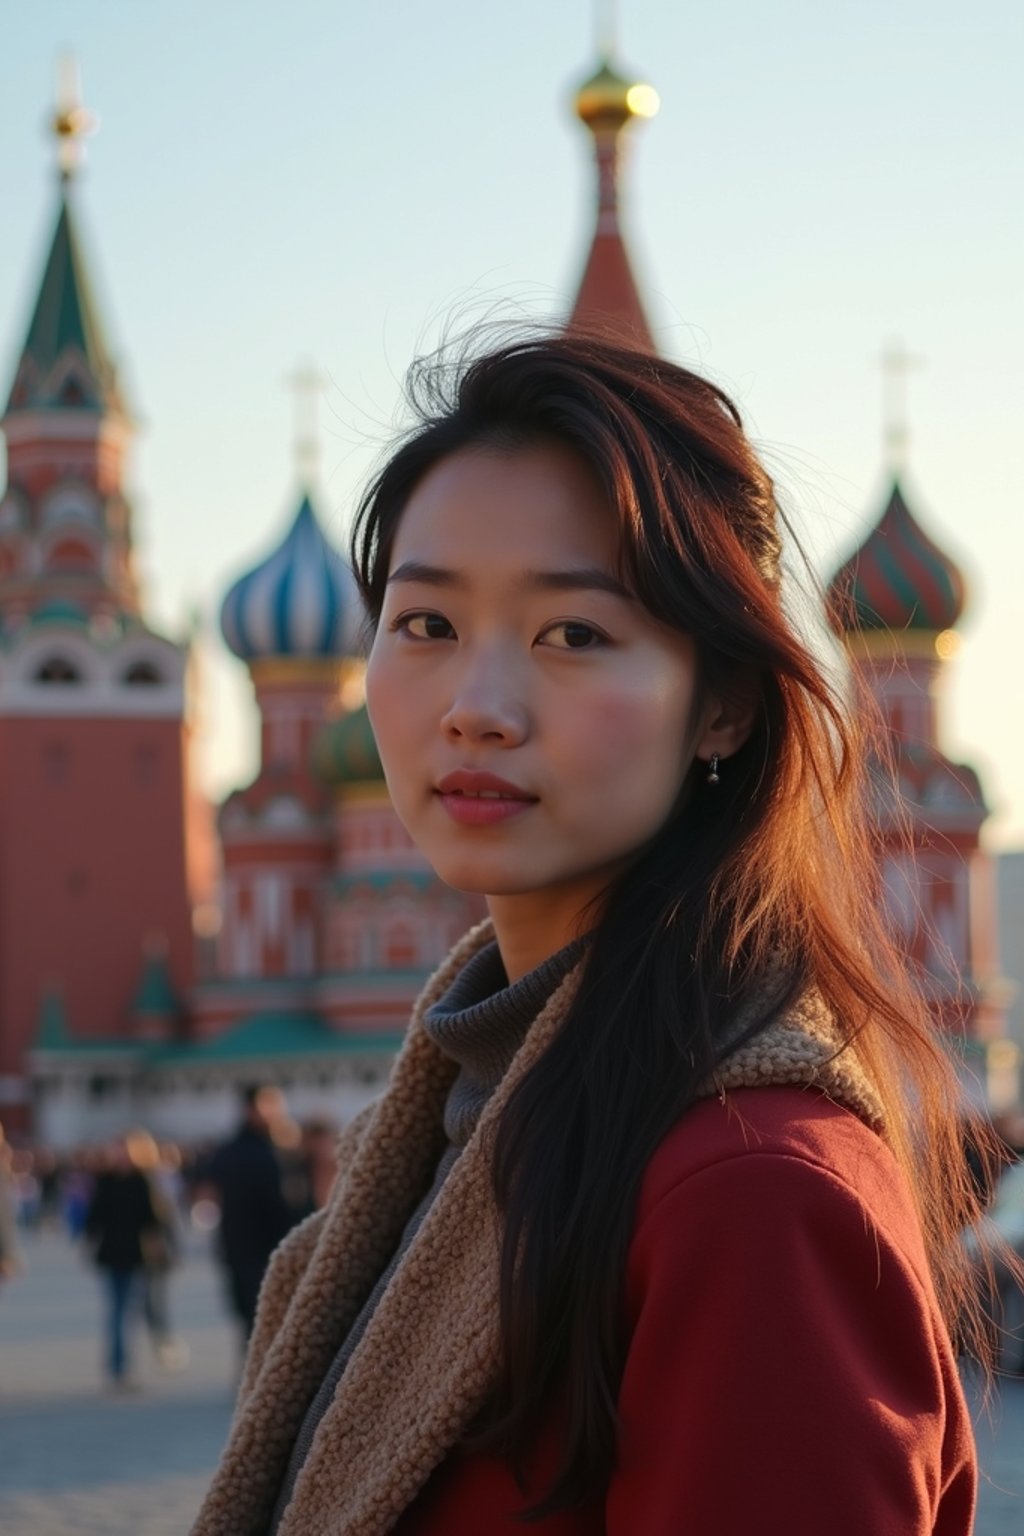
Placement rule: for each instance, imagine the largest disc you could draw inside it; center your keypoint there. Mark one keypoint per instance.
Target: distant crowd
(135, 1204)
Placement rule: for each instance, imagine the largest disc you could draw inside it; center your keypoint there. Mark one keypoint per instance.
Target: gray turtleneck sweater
(480, 1022)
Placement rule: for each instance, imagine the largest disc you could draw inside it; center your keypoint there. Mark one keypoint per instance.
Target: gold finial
(306, 384)
(896, 363)
(607, 101)
(72, 122)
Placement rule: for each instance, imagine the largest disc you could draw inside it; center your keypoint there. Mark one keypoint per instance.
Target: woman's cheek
(640, 728)
(385, 696)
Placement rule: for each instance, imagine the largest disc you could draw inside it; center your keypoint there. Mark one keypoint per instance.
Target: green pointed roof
(52, 1028)
(156, 994)
(65, 317)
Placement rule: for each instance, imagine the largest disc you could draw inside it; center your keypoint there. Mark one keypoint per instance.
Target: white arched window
(142, 674)
(58, 669)
(71, 502)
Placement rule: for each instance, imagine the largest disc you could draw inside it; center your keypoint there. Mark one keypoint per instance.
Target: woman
(654, 1229)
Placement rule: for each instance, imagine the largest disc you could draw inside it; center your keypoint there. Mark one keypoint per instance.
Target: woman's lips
(477, 799)
(482, 810)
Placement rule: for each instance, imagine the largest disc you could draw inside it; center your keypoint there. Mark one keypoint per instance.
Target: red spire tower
(608, 300)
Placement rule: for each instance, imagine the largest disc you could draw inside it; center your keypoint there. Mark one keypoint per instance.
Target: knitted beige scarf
(430, 1354)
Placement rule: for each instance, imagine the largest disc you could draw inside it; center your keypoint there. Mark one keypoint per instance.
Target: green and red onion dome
(345, 751)
(898, 579)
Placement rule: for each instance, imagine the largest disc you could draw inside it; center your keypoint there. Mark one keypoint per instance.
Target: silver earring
(713, 774)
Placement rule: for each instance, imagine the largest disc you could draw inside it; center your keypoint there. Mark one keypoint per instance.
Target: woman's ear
(727, 725)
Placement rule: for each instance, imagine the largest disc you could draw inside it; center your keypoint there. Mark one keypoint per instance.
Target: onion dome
(897, 580)
(345, 751)
(301, 601)
(608, 101)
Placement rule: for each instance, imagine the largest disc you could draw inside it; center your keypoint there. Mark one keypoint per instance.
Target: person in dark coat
(121, 1219)
(254, 1215)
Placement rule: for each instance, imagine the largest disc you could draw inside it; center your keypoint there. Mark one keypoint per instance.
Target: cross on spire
(71, 122)
(306, 384)
(605, 27)
(896, 363)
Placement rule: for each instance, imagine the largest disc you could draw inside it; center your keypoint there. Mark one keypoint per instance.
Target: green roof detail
(264, 1035)
(52, 1028)
(156, 995)
(60, 611)
(383, 880)
(256, 1038)
(65, 317)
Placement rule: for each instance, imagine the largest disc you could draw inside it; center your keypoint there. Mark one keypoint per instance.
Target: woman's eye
(425, 626)
(572, 635)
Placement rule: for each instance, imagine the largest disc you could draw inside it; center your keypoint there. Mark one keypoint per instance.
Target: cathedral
(120, 1003)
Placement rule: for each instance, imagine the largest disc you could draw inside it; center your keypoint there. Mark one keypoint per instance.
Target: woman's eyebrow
(579, 579)
(589, 578)
(428, 575)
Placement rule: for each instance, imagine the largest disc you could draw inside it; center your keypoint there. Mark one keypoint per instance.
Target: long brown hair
(754, 890)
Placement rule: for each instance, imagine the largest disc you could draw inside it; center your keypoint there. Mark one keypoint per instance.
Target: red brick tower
(94, 784)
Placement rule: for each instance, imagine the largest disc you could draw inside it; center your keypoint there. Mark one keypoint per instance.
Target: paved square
(77, 1462)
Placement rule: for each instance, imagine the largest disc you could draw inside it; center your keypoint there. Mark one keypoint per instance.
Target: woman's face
(534, 721)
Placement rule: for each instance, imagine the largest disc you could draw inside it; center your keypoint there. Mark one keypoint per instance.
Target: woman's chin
(483, 878)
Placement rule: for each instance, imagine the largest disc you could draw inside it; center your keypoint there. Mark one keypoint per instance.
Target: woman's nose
(485, 707)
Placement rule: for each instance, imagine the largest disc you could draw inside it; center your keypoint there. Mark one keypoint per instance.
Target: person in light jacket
(654, 1229)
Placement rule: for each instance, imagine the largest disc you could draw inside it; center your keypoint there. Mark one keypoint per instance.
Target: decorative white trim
(70, 425)
(102, 693)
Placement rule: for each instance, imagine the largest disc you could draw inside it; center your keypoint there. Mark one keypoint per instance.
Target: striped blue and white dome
(302, 601)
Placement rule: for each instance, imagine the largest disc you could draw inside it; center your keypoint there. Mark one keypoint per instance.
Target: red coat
(788, 1373)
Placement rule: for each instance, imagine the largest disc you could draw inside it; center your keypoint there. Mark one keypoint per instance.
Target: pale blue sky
(332, 181)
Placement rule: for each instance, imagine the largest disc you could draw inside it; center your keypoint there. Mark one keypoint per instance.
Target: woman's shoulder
(784, 1117)
(794, 1196)
(791, 1144)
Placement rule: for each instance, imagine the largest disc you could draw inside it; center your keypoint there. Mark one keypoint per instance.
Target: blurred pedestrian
(308, 1165)
(26, 1189)
(254, 1215)
(161, 1250)
(10, 1250)
(121, 1220)
(77, 1191)
(319, 1140)
(48, 1172)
